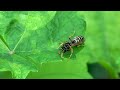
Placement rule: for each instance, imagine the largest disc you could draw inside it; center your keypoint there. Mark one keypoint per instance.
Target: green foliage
(29, 44)
(102, 40)
(62, 70)
(28, 39)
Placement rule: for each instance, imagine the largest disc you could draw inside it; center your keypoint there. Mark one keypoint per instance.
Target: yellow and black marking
(68, 46)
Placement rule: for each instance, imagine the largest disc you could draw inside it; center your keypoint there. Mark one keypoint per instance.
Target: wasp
(68, 46)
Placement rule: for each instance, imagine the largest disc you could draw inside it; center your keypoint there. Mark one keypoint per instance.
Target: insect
(68, 46)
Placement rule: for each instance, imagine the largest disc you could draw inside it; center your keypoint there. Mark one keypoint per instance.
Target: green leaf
(33, 38)
(113, 74)
(49, 38)
(4, 47)
(19, 66)
(62, 70)
(5, 74)
(13, 34)
(33, 20)
(102, 39)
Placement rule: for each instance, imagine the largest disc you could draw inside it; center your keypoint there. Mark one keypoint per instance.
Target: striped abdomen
(78, 41)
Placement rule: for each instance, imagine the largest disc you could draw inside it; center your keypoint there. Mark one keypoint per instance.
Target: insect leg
(71, 52)
(62, 55)
(60, 45)
(59, 52)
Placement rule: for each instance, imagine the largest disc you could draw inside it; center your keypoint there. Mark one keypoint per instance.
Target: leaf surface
(32, 38)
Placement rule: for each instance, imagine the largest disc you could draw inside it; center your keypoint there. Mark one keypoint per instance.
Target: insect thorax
(66, 47)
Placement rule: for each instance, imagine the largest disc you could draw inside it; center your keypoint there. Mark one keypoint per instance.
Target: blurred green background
(102, 44)
(102, 40)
